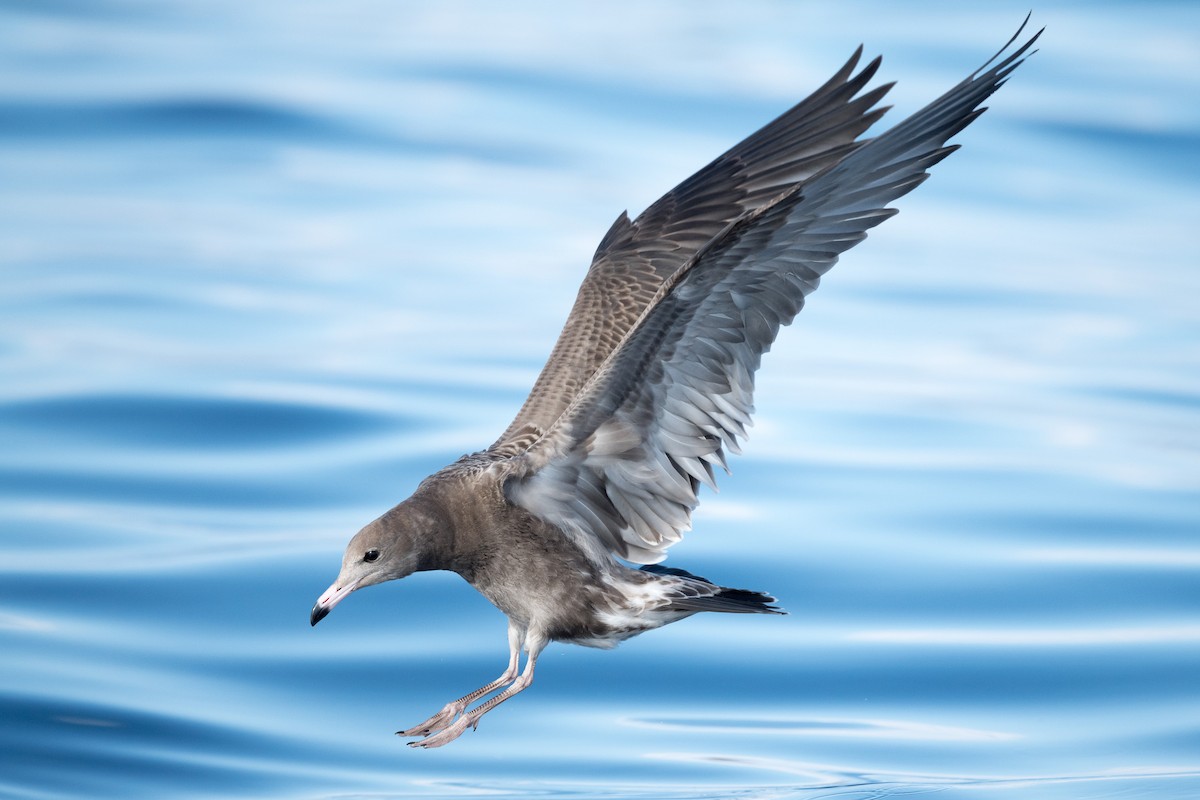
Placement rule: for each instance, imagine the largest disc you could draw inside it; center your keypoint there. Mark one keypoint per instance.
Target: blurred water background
(264, 265)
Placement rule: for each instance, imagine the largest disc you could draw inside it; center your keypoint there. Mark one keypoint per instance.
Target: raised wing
(619, 471)
(635, 258)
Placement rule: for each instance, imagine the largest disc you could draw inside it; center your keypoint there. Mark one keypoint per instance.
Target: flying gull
(562, 522)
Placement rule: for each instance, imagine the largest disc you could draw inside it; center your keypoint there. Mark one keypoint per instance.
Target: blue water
(267, 264)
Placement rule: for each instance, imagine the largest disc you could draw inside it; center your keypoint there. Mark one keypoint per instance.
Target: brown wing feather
(635, 258)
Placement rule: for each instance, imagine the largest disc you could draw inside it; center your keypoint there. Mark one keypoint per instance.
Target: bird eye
(371, 555)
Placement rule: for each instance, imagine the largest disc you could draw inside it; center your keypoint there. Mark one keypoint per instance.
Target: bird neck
(431, 531)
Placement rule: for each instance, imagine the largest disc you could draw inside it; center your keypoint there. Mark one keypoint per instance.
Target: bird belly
(619, 610)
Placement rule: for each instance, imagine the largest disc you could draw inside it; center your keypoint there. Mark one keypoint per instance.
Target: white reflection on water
(1119, 557)
(842, 728)
(25, 623)
(1033, 637)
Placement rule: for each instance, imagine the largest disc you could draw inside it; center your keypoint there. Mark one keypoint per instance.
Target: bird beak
(333, 595)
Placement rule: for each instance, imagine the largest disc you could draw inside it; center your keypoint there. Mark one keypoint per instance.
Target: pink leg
(471, 718)
(451, 710)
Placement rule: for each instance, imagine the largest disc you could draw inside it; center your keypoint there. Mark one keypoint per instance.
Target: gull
(562, 522)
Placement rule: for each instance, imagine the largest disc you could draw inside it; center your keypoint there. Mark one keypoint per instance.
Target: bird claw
(437, 722)
(447, 734)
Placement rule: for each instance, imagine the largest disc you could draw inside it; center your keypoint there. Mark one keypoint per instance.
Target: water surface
(267, 265)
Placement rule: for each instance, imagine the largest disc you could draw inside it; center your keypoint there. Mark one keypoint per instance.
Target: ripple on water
(192, 422)
(119, 752)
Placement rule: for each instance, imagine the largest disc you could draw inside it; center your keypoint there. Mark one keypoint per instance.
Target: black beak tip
(319, 613)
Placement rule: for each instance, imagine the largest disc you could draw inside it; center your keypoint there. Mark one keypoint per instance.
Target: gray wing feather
(634, 259)
(620, 469)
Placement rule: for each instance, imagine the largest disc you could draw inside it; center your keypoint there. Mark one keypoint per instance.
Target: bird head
(384, 550)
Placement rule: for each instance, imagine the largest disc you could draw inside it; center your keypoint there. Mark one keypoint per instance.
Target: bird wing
(620, 469)
(635, 258)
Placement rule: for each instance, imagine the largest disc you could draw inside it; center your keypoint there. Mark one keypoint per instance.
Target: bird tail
(741, 601)
(694, 593)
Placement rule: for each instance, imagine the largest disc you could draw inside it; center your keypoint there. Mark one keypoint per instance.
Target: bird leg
(440, 720)
(471, 718)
